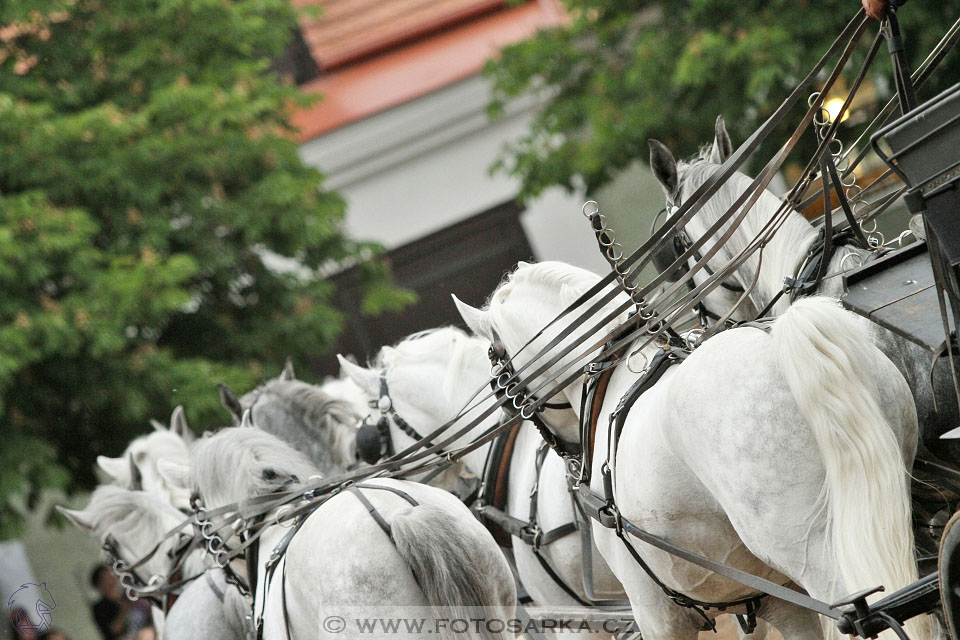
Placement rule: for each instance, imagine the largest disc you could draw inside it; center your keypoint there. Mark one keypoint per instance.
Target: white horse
(136, 520)
(431, 376)
(431, 554)
(141, 456)
(321, 421)
(782, 257)
(782, 454)
(208, 607)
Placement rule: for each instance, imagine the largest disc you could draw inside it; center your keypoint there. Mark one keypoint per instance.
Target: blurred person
(110, 612)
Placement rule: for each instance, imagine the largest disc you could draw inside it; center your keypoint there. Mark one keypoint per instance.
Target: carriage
(912, 292)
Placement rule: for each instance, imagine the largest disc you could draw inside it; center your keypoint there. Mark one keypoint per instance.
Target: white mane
(562, 283)
(136, 519)
(236, 464)
(446, 344)
(308, 418)
(782, 255)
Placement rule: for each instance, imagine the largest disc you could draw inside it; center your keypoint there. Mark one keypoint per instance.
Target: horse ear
(157, 425)
(113, 467)
(78, 518)
(230, 401)
(246, 420)
(664, 167)
(174, 474)
(178, 424)
(287, 373)
(367, 380)
(136, 478)
(722, 146)
(475, 319)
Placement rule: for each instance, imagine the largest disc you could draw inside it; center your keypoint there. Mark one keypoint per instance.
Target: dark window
(468, 258)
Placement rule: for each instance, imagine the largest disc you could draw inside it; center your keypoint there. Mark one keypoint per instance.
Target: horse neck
(781, 257)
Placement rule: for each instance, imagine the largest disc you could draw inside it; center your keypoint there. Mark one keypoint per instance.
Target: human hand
(876, 9)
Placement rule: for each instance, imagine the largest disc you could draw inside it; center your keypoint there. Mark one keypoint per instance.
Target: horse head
(424, 381)
(306, 416)
(137, 467)
(517, 323)
(680, 182)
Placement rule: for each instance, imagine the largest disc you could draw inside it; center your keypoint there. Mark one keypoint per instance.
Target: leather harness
(279, 551)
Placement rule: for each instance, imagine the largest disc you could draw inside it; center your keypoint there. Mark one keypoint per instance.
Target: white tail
(829, 362)
(459, 570)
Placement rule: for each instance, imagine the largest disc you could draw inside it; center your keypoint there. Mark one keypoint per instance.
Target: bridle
(373, 438)
(669, 253)
(160, 591)
(519, 402)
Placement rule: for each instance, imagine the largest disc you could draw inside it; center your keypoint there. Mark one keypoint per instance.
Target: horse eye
(269, 474)
(140, 457)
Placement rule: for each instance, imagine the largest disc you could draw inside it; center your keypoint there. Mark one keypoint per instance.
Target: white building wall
(424, 165)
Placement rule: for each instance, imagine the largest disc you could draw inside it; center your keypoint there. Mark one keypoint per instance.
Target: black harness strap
(383, 524)
(217, 591)
(379, 519)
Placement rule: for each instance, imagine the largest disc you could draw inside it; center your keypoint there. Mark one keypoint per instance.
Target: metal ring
(503, 379)
(692, 337)
(871, 230)
(646, 362)
(131, 594)
(519, 407)
(214, 544)
(523, 411)
(207, 530)
(281, 513)
(217, 559)
(589, 208)
(839, 150)
(615, 257)
(850, 255)
(610, 235)
(876, 239)
(904, 234)
(812, 98)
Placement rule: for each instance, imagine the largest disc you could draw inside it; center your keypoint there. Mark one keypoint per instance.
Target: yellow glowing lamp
(833, 106)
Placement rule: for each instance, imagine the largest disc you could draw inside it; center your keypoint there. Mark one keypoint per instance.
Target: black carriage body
(914, 292)
(903, 291)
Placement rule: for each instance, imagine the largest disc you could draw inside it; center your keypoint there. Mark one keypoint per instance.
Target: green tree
(148, 181)
(623, 71)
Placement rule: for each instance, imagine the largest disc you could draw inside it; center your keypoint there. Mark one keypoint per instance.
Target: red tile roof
(351, 29)
(400, 74)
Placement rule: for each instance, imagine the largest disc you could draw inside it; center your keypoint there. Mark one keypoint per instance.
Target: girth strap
(495, 480)
(217, 591)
